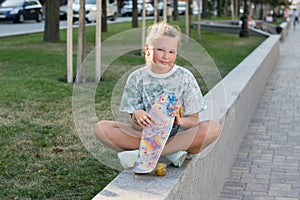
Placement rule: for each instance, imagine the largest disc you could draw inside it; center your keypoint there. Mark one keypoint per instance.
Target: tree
(199, 20)
(51, 30)
(187, 20)
(175, 14)
(81, 43)
(219, 8)
(134, 22)
(103, 18)
(205, 9)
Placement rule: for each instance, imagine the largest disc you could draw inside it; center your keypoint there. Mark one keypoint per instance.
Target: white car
(149, 9)
(195, 8)
(91, 10)
(181, 7)
(127, 8)
(160, 8)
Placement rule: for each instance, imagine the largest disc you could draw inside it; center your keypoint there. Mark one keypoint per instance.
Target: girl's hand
(177, 113)
(186, 121)
(142, 118)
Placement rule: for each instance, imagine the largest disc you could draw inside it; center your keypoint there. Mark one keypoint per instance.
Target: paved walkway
(267, 166)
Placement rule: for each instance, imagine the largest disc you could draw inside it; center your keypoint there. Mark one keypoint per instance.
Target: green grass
(42, 156)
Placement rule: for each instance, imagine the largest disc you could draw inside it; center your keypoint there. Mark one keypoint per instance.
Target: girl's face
(163, 54)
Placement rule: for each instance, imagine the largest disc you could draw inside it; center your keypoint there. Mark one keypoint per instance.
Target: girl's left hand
(177, 110)
(177, 113)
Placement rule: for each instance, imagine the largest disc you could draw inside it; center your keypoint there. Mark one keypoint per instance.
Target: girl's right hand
(142, 118)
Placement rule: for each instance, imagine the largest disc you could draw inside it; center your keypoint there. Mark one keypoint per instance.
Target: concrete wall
(232, 26)
(229, 28)
(233, 102)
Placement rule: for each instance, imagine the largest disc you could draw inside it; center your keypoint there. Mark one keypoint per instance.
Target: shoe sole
(127, 156)
(182, 159)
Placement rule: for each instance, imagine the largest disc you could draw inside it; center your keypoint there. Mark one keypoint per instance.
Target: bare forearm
(188, 121)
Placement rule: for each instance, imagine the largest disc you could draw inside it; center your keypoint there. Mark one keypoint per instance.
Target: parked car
(127, 8)
(160, 8)
(91, 10)
(149, 9)
(181, 7)
(196, 11)
(195, 8)
(21, 10)
(63, 12)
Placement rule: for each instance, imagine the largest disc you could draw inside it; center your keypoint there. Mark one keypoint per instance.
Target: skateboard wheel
(160, 169)
(180, 111)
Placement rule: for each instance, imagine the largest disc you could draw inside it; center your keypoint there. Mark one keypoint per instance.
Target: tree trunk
(81, 44)
(175, 14)
(199, 21)
(51, 31)
(225, 12)
(103, 18)
(236, 5)
(134, 22)
(219, 6)
(98, 42)
(70, 42)
(143, 28)
(205, 9)
(187, 21)
(156, 14)
(165, 10)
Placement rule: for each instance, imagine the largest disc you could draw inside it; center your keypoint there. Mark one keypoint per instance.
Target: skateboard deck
(155, 137)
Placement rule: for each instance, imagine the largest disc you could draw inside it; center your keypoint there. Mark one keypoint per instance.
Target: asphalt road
(11, 29)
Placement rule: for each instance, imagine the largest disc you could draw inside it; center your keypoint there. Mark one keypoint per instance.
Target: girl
(143, 87)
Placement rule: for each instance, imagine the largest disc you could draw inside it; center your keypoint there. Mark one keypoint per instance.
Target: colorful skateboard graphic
(155, 137)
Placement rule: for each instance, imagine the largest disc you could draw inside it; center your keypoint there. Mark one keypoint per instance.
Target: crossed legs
(120, 137)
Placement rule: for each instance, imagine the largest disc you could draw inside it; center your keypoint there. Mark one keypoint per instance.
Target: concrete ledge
(228, 27)
(232, 26)
(203, 176)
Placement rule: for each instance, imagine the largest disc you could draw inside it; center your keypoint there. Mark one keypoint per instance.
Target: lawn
(42, 156)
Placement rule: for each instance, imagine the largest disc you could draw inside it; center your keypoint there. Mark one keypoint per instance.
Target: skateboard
(155, 137)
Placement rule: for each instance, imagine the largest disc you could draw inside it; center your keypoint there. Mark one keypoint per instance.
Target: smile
(164, 62)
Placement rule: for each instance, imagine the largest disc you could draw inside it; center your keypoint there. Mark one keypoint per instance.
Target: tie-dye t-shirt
(143, 87)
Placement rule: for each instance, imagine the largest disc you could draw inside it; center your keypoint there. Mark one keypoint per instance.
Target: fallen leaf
(37, 156)
(57, 150)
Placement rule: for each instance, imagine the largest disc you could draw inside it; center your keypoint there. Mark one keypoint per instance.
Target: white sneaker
(128, 158)
(177, 158)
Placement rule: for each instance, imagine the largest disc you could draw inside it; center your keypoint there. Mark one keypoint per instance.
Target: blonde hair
(157, 30)
(162, 29)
